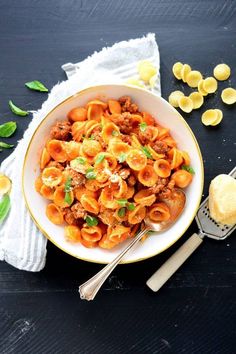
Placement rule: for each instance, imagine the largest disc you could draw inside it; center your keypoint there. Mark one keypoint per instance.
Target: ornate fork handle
(89, 289)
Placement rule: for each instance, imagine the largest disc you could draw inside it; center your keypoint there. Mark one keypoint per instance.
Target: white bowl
(166, 116)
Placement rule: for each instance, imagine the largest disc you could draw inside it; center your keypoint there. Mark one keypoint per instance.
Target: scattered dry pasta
(222, 72)
(105, 168)
(197, 99)
(212, 117)
(201, 89)
(146, 70)
(174, 98)
(193, 78)
(176, 69)
(186, 104)
(185, 71)
(210, 85)
(228, 95)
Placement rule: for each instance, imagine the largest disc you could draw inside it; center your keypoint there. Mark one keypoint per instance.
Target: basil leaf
(36, 86)
(18, 111)
(115, 133)
(122, 202)
(122, 157)
(7, 129)
(90, 174)
(121, 212)
(92, 137)
(68, 184)
(188, 168)
(67, 198)
(131, 206)
(81, 160)
(143, 126)
(100, 158)
(146, 151)
(91, 220)
(5, 145)
(5, 205)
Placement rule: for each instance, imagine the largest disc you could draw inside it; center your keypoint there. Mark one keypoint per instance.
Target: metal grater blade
(210, 227)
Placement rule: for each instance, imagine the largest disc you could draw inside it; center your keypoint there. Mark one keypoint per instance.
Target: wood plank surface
(195, 312)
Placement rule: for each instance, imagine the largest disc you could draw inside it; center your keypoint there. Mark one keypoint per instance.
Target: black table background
(195, 311)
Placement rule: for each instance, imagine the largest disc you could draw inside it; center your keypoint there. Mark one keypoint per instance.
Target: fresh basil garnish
(100, 158)
(36, 86)
(7, 129)
(5, 205)
(146, 151)
(5, 145)
(122, 202)
(16, 110)
(130, 206)
(188, 168)
(90, 174)
(91, 220)
(121, 212)
(143, 126)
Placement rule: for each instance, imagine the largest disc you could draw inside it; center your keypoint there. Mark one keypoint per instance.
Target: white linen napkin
(21, 243)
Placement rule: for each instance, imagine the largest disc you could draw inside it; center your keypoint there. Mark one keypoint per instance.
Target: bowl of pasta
(103, 160)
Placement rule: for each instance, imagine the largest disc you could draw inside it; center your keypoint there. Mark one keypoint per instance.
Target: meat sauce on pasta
(105, 168)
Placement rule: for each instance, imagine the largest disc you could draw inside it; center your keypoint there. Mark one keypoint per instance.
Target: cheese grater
(207, 227)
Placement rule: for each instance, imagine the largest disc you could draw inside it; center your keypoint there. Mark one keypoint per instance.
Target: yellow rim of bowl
(81, 93)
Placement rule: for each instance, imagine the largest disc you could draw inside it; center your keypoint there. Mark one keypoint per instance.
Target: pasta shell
(228, 95)
(176, 69)
(222, 72)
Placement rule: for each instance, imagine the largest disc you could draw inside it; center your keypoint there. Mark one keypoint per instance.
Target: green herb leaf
(121, 212)
(131, 206)
(188, 168)
(122, 157)
(122, 202)
(68, 184)
(92, 136)
(100, 158)
(7, 129)
(143, 126)
(91, 220)
(81, 160)
(36, 86)
(67, 198)
(90, 174)
(16, 110)
(115, 133)
(5, 145)
(146, 151)
(5, 205)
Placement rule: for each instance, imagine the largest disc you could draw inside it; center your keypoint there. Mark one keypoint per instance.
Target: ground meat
(127, 105)
(78, 211)
(160, 147)
(124, 122)
(131, 181)
(145, 136)
(61, 131)
(69, 217)
(165, 193)
(159, 186)
(126, 139)
(56, 164)
(124, 173)
(77, 178)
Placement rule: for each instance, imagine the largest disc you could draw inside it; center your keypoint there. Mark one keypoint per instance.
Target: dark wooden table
(195, 312)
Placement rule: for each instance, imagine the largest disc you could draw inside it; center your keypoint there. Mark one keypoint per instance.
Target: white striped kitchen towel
(21, 243)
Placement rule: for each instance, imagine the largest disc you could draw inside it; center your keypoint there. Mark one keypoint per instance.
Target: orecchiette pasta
(107, 166)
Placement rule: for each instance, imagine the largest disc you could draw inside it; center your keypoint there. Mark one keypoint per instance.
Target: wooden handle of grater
(160, 277)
